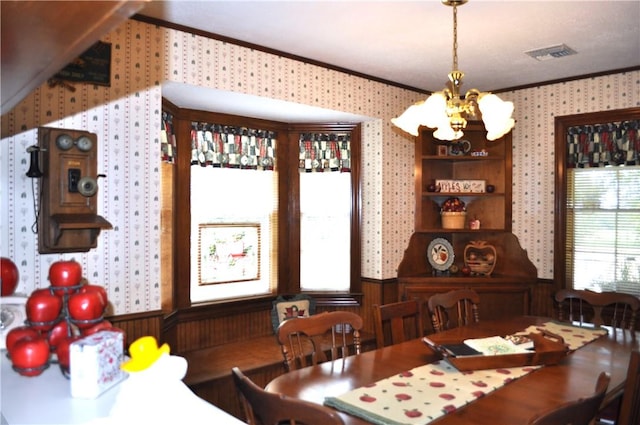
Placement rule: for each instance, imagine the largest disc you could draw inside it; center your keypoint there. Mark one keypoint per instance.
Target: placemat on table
(425, 393)
(420, 395)
(574, 336)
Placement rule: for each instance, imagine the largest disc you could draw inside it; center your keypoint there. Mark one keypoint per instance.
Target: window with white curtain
(231, 195)
(325, 231)
(603, 228)
(239, 177)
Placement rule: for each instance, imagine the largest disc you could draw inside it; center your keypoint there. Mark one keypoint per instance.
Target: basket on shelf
(453, 219)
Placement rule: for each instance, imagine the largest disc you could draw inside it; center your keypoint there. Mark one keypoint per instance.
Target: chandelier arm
(472, 94)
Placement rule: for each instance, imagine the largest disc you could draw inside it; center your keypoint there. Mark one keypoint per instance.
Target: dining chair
(630, 407)
(264, 408)
(307, 341)
(616, 309)
(397, 322)
(576, 412)
(463, 304)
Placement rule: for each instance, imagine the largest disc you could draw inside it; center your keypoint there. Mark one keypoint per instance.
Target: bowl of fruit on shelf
(453, 213)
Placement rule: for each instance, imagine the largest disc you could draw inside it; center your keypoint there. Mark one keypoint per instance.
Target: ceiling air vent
(552, 52)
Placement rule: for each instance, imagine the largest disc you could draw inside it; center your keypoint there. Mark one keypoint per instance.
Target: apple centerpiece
(63, 353)
(43, 309)
(58, 333)
(86, 308)
(18, 333)
(9, 276)
(30, 355)
(66, 311)
(65, 276)
(453, 205)
(453, 213)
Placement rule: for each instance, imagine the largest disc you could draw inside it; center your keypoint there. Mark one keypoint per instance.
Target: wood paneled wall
(211, 326)
(140, 324)
(542, 302)
(209, 332)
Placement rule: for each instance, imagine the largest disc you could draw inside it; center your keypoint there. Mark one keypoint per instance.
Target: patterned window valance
(603, 144)
(325, 152)
(232, 147)
(167, 138)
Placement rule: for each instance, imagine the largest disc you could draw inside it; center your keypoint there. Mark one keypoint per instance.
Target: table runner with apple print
(425, 393)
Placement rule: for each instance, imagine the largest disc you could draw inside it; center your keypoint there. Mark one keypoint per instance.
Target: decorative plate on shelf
(440, 254)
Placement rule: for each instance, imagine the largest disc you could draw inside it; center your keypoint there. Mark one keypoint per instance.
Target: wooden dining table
(515, 403)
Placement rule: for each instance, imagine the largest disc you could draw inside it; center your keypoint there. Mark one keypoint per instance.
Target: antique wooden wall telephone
(67, 218)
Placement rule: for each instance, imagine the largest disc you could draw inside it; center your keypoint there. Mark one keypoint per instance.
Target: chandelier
(447, 111)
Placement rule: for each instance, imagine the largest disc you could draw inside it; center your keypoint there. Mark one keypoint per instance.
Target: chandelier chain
(455, 37)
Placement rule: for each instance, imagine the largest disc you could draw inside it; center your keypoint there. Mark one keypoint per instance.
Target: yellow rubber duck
(144, 352)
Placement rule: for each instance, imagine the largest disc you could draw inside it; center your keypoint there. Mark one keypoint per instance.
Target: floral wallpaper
(533, 150)
(126, 118)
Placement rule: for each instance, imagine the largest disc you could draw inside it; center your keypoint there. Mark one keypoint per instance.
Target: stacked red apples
(57, 316)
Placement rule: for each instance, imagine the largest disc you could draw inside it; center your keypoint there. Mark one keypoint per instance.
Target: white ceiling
(410, 42)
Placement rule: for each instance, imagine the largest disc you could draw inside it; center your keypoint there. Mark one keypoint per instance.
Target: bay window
(292, 188)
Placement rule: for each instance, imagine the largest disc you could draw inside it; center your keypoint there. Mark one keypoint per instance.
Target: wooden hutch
(507, 290)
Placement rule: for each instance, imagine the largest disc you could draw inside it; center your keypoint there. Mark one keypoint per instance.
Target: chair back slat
(461, 304)
(397, 322)
(306, 341)
(616, 309)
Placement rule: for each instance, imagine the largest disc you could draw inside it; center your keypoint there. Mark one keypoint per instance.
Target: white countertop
(46, 399)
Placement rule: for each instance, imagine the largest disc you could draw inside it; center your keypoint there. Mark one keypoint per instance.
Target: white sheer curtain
(325, 231)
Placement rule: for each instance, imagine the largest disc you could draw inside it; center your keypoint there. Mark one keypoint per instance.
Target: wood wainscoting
(136, 325)
(216, 337)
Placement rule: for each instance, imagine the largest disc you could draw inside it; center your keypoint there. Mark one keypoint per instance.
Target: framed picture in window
(228, 253)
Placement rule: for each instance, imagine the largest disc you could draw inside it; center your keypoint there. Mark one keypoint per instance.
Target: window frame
(562, 125)
(289, 210)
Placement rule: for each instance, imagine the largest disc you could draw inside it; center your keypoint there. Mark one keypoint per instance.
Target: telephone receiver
(34, 166)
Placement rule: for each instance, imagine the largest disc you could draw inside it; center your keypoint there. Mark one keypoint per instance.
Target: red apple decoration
(98, 290)
(103, 325)
(64, 274)
(30, 355)
(17, 333)
(454, 205)
(85, 308)
(43, 309)
(59, 332)
(9, 276)
(413, 413)
(63, 350)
